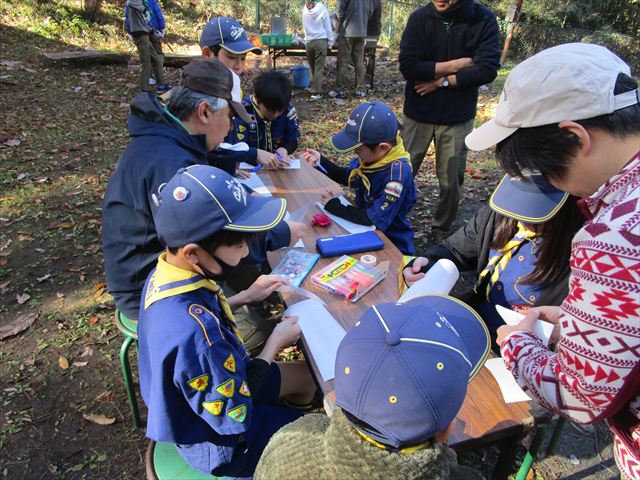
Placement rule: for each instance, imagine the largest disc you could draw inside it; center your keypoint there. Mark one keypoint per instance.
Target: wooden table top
(484, 416)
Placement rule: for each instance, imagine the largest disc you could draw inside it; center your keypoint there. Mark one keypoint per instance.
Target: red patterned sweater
(597, 364)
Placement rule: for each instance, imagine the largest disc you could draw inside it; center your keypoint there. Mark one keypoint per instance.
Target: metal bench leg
(128, 380)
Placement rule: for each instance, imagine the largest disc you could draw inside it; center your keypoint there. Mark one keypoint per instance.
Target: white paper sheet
(440, 279)
(293, 165)
(541, 328)
(256, 184)
(511, 391)
(322, 333)
(346, 224)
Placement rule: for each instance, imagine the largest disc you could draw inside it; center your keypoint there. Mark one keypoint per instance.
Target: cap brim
(344, 143)
(240, 47)
(488, 135)
(467, 323)
(262, 213)
(529, 206)
(239, 111)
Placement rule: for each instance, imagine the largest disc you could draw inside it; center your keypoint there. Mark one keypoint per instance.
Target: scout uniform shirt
(507, 288)
(282, 131)
(192, 367)
(387, 191)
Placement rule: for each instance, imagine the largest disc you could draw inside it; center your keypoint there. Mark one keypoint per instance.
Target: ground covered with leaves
(64, 412)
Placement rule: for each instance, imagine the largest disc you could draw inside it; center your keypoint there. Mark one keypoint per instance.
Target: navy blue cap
(201, 200)
(370, 123)
(529, 199)
(403, 369)
(227, 33)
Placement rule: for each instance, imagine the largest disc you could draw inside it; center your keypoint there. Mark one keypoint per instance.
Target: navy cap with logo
(201, 200)
(370, 123)
(402, 371)
(530, 199)
(229, 34)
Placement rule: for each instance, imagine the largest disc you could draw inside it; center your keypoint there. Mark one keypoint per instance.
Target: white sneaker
(316, 96)
(359, 94)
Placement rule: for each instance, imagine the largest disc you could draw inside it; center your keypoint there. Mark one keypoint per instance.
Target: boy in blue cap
(202, 390)
(401, 378)
(274, 126)
(381, 175)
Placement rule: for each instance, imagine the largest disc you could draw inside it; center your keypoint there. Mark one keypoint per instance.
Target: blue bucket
(301, 76)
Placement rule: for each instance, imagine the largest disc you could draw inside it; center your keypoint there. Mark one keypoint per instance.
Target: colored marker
(256, 168)
(321, 168)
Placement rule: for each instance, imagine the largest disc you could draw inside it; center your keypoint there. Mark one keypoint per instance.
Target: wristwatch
(445, 81)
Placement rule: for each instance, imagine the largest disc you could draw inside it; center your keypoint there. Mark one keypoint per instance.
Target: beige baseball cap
(574, 81)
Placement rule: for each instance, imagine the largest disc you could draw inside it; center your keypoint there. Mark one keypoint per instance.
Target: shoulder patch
(199, 383)
(214, 408)
(226, 388)
(393, 188)
(238, 414)
(244, 389)
(230, 363)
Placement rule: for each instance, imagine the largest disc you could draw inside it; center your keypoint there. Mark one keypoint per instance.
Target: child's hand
(267, 159)
(242, 173)
(283, 157)
(329, 194)
(312, 157)
(413, 274)
(298, 230)
(264, 286)
(287, 332)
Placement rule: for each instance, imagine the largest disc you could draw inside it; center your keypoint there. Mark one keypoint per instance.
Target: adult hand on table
(267, 159)
(412, 274)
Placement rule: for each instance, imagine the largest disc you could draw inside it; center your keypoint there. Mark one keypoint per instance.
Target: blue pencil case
(346, 244)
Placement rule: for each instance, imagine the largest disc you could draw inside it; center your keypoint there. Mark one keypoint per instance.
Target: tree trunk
(507, 41)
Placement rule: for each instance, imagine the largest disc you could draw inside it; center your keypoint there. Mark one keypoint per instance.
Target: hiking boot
(338, 94)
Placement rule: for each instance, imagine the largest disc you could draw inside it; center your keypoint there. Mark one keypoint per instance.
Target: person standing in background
(318, 39)
(448, 49)
(142, 20)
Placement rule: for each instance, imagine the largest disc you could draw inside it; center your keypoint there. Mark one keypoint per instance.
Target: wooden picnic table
(370, 48)
(484, 417)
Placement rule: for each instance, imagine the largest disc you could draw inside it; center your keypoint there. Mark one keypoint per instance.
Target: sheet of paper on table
(542, 329)
(346, 224)
(511, 391)
(440, 279)
(293, 165)
(322, 333)
(256, 184)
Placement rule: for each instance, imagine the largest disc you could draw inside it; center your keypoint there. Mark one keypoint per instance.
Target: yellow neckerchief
(499, 261)
(267, 126)
(406, 450)
(169, 280)
(396, 153)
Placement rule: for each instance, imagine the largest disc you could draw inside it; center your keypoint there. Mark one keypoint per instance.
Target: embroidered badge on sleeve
(226, 388)
(239, 413)
(199, 383)
(394, 189)
(214, 408)
(244, 390)
(230, 363)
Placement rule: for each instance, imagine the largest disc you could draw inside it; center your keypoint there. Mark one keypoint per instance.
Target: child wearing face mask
(203, 392)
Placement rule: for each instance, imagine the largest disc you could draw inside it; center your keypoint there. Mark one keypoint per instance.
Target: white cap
(574, 81)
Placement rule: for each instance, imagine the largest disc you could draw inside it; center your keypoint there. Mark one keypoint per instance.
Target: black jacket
(468, 248)
(467, 30)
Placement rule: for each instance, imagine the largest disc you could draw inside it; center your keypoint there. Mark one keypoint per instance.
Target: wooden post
(513, 13)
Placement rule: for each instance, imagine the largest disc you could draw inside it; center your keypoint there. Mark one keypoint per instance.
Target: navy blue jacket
(158, 148)
(467, 30)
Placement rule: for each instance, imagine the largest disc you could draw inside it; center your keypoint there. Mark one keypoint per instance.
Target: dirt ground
(64, 409)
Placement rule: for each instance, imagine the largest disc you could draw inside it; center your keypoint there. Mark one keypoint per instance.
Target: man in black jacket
(448, 49)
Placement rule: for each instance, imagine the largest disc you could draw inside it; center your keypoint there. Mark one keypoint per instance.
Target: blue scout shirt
(192, 367)
(282, 131)
(510, 291)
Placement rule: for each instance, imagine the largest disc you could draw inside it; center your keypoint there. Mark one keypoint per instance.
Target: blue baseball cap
(529, 199)
(402, 372)
(201, 200)
(370, 123)
(229, 34)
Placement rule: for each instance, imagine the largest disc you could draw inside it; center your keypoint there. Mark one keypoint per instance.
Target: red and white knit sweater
(597, 364)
